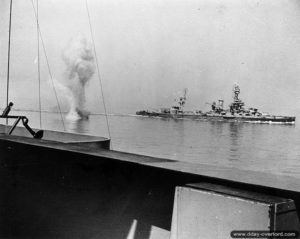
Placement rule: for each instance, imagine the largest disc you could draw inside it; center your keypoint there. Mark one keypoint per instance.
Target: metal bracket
(37, 135)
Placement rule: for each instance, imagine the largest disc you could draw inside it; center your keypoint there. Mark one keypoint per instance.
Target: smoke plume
(80, 67)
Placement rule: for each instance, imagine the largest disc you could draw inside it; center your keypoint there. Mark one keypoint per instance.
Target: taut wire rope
(98, 71)
(48, 65)
(8, 57)
(38, 61)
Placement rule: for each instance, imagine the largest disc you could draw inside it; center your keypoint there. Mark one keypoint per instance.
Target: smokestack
(80, 67)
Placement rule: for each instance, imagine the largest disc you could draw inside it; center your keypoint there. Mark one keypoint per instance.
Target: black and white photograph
(149, 119)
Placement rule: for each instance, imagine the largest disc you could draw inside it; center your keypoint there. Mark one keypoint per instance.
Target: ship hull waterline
(246, 119)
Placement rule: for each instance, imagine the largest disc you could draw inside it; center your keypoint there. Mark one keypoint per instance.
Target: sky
(150, 50)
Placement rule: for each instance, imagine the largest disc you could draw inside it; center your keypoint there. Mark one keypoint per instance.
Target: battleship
(65, 185)
(235, 113)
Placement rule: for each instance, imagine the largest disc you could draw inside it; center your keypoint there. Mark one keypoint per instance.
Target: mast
(8, 57)
(182, 100)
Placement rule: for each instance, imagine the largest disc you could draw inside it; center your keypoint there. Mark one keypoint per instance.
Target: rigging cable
(99, 76)
(50, 74)
(38, 60)
(8, 57)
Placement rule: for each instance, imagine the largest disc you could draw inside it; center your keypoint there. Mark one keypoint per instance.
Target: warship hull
(262, 119)
(251, 119)
(168, 115)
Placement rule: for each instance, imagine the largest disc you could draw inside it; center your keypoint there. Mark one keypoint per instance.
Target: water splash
(80, 67)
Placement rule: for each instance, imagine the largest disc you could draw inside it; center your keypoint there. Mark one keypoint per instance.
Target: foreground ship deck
(198, 169)
(73, 186)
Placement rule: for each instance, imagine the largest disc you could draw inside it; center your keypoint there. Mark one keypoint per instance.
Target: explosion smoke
(79, 60)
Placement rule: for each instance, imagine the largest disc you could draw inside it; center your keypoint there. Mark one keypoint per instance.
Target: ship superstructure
(175, 111)
(237, 105)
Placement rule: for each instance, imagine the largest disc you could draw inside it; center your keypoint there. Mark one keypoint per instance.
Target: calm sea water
(270, 148)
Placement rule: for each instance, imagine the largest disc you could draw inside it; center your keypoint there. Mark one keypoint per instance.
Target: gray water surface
(269, 148)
